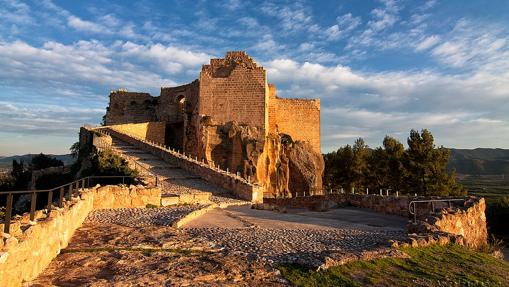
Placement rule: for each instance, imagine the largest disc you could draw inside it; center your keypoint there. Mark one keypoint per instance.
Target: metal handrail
(412, 205)
(72, 187)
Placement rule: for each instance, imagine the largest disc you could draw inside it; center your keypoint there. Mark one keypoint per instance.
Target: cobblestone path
(292, 238)
(119, 248)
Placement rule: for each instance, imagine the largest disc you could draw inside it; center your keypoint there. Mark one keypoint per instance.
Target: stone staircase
(178, 185)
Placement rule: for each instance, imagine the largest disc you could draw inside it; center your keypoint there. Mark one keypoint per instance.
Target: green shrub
(108, 163)
(497, 214)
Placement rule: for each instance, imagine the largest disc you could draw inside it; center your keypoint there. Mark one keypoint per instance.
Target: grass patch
(428, 266)
(149, 205)
(129, 249)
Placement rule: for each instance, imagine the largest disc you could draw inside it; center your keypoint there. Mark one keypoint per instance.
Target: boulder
(306, 169)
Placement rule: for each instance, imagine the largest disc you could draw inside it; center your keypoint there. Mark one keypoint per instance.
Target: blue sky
(380, 67)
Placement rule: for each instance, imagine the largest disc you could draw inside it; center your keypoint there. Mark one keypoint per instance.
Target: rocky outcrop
(234, 147)
(284, 167)
(305, 169)
(288, 168)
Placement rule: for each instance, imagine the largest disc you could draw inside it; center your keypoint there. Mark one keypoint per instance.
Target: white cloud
(475, 46)
(170, 58)
(427, 43)
(347, 22)
(15, 12)
(86, 26)
(45, 119)
(90, 63)
(333, 32)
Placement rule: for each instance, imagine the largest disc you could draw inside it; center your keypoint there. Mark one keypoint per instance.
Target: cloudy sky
(380, 67)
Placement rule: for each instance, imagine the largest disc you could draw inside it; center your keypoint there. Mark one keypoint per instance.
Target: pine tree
(425, 167)
(360, 170)
(394, 151)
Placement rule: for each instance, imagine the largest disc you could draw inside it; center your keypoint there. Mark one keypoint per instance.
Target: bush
(497, 214)
(108, 163)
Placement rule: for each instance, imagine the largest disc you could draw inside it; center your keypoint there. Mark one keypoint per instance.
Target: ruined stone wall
(29, 248)
(129, 107)
(175, 102)
(152, 131)
(234, 89)
(298, 118)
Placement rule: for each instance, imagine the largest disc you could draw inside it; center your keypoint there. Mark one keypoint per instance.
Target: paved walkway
(174, 180)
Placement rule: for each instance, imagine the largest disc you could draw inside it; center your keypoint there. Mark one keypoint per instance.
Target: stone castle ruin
(232, 117)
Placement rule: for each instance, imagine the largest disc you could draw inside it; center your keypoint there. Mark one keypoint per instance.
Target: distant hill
(480, 161)
(6, 161)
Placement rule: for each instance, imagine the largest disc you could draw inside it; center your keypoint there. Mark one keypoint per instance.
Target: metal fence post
(33, 202)
(61, 197)
(50, 200)
(71, 187)
(8, 213)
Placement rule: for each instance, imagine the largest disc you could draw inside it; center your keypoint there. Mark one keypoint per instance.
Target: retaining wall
(31, 246)
(237, 185)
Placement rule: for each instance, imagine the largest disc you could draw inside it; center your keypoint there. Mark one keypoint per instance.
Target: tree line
(421, 168)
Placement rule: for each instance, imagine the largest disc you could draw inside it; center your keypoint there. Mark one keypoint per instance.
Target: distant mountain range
(6, 161)
(480, 161)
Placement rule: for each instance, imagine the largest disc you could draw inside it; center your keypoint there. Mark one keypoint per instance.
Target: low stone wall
(115, 196)
(465, 225)
(396, 205)
(151, 131)
(30, 246)
(239, 186)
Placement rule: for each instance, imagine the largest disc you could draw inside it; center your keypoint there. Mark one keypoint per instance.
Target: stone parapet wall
(31, 246)
(239, 186)
(150, 131)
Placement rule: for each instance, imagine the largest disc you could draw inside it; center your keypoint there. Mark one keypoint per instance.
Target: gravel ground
(137, 217)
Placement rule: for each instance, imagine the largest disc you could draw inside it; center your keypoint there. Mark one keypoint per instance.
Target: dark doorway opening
(174, 136)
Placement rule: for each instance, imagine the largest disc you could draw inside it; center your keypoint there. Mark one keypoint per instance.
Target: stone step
(190, 198)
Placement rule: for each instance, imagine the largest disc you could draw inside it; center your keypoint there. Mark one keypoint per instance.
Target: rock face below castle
(233, 117)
